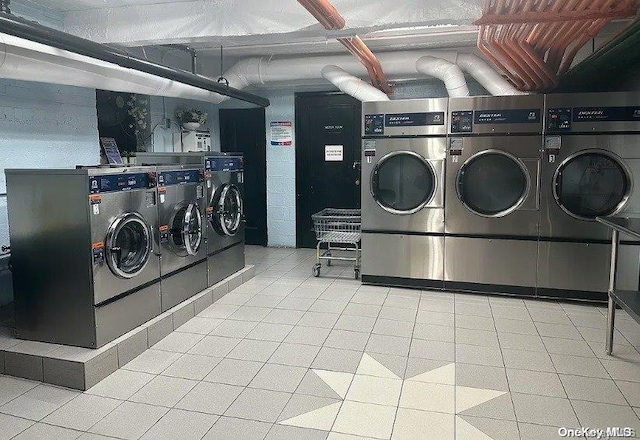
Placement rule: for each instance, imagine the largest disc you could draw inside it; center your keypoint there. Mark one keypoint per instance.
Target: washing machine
(492, 198)
(224, 176)
(181, 232)
(404, 148)
(590, 160)
(85, 262)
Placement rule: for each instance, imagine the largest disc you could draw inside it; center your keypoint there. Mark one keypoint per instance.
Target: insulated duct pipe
(448, 72)
(33, 32)
(351, 85)
(482, 72)
(400, 64)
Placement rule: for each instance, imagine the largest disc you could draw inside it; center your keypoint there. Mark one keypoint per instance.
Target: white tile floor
(289, 356)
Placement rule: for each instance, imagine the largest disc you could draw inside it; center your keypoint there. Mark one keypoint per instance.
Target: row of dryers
(499, 194)
(98, 251)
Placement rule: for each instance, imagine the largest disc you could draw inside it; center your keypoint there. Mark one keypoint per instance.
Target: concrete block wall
(42, 125)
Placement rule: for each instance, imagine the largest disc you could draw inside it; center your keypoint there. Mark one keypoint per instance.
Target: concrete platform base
(82, 368)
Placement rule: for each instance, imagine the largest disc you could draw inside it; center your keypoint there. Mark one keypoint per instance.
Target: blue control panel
(181, 177)
(120, 182)
(221, 163)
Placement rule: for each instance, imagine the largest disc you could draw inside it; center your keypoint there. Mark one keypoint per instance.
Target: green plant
(186, 115)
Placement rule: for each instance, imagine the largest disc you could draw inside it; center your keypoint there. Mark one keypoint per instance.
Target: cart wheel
(356, 273)
(316, 270)
(328, 254)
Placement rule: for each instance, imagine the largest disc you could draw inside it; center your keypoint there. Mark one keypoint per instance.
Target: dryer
(224, 175)
(85, 262)
(591, 158)
(181, 233)
(491, 206)
(404, 149)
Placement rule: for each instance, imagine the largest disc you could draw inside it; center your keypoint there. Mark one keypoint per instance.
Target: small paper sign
(111, 151)
(282, 133)
(333, 153)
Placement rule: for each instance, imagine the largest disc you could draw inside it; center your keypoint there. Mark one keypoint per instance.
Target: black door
(243, 130)
(328, 146)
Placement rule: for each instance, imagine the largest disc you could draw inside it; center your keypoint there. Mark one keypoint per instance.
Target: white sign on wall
(282, 133)
(333, 153)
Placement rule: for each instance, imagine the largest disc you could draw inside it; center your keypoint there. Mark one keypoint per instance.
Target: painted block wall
(42, 125)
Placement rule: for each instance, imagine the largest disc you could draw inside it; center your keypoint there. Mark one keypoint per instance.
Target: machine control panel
(559, 119)
(221, 163)
(181, 177)
(374, 125)
(120, 182)
(509, 116)
(462, 122)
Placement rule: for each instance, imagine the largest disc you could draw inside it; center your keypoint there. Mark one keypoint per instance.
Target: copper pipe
(324, 12)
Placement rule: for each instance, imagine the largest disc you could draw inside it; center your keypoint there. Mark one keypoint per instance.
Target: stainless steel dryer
(404, 149)
(182, 218)
(224, 174)
(492, 201)
(85, 262)
(591, 157)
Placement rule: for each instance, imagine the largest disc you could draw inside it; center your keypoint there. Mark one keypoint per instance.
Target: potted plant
(191, 118)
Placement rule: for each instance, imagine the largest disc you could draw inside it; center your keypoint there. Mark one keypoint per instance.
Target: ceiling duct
(33, 52)
(352, 85)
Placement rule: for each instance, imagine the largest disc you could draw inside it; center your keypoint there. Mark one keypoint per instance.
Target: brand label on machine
(606, 114)
(373, 124)
(413, 119)
(462, 122)
(510, 116)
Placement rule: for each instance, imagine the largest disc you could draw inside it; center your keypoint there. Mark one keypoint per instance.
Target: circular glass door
(186, 229)
(128, 245)
(493, 183)
(592, 183)
(403, 182)
(228, 210)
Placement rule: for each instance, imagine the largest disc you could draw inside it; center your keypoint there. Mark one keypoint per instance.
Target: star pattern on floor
(376, 403)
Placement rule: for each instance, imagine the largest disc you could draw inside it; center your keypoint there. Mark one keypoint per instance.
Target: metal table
(629, 300)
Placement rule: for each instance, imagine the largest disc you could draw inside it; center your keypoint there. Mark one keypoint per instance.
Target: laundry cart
(339, 230)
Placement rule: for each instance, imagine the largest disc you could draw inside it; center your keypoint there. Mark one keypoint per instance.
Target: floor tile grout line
(505, 367)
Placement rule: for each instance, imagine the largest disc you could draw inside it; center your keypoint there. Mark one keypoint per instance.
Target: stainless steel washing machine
(491, 207)
(590, 160)
(85, 262)
(404, 149)
(181, 234)
(224, 176)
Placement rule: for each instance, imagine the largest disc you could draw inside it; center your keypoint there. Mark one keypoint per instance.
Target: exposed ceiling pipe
(96, 53)
(491, 80)
(448, 72)
(331, 19)
(5, 6)
(26, 60)
(351, 85)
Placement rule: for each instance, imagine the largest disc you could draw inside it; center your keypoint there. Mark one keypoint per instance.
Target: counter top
(626, 225)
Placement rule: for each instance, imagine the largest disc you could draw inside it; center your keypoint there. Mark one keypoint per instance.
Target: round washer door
(228, 210)
(592, 183)
(493, 183)
(403, 182)
(129, 244)
(186, 229)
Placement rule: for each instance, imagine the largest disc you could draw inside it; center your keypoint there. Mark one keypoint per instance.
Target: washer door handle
(117, 250)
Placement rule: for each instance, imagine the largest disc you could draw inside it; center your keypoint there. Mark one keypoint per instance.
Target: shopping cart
(340, 230)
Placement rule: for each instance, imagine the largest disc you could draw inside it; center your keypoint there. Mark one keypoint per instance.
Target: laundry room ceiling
(273, 27)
